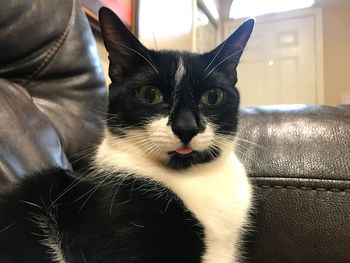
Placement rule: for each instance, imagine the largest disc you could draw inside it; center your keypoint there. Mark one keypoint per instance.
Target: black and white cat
(164, 185)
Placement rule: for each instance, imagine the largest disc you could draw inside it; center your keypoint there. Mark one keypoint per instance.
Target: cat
(164, 185)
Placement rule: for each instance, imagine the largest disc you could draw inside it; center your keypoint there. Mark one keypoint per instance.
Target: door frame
(316, 14)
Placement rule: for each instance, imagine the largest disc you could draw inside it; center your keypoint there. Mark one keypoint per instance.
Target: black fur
(118, 221)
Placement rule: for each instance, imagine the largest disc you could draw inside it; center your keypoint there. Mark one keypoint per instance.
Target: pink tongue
(184, 151)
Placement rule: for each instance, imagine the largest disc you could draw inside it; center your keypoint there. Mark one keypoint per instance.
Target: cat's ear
(227, 55)
(123, 47)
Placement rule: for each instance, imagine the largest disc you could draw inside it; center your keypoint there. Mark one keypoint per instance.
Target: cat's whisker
(149, 149)
(83, 157)
(236, 147)
(76, 182)
(210, 151)
(243, 152)
(244, 155)
(133, 137)
(135, 140)
(131, 143)
(106, 113)
(167, 205)
(86, 149)
(223, 141)
(234, 134)
(146, 145)
(110, 118)
(92, 190)
(252, 143)
(7, 227)
(152, 151)
(115, 193)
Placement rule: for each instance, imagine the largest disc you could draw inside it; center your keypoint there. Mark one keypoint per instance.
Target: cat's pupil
(150, 95)
(212, 97)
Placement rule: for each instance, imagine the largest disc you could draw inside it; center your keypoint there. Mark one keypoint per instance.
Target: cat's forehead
(181, 65)
(180, 71)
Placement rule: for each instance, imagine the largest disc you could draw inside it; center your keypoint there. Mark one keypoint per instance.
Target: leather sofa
(298, 157)
(52, 89)
(52, 99)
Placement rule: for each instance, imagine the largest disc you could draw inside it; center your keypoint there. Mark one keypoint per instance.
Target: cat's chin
(180, 161)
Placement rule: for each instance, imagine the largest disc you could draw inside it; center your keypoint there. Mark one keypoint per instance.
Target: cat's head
(177, 108)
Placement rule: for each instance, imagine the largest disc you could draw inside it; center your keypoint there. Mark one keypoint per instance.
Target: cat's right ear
(123, 47)
(227, 55)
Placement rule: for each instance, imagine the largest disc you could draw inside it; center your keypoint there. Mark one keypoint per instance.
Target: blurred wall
(103, 55)
(167, 24)
(336, 50)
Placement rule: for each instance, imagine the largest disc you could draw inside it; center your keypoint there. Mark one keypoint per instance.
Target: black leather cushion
(29, 141)
(52, 85)
(299, 160)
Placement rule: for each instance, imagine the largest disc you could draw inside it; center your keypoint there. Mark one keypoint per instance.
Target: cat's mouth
(184, 157)
(184, 150)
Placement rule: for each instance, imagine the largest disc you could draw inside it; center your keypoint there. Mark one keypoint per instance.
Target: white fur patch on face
(180, 72)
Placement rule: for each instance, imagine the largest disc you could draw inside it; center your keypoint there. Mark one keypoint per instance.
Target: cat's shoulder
(42, 193)
(37, 184)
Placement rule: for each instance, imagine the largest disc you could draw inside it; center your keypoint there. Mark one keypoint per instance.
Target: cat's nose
(185, 126)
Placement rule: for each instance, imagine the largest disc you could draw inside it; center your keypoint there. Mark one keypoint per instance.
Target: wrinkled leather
(29, 141)
(298, 158)
(52, 87)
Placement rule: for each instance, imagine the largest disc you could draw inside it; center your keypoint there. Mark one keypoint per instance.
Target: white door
(281, 64)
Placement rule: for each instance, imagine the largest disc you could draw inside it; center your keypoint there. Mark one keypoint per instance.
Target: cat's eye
(150, 95)
(212, 97)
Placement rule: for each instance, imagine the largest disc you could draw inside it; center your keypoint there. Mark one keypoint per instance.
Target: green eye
(212, 97)
(150, 95)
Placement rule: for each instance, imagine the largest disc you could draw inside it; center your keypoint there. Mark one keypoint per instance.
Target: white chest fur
(217, 193)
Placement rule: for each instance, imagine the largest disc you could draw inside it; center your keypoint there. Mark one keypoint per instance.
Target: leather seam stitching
(50, 53)
(318, 189)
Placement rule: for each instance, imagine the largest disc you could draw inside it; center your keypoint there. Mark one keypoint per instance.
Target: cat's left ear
(227, 55)
(123, 47)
